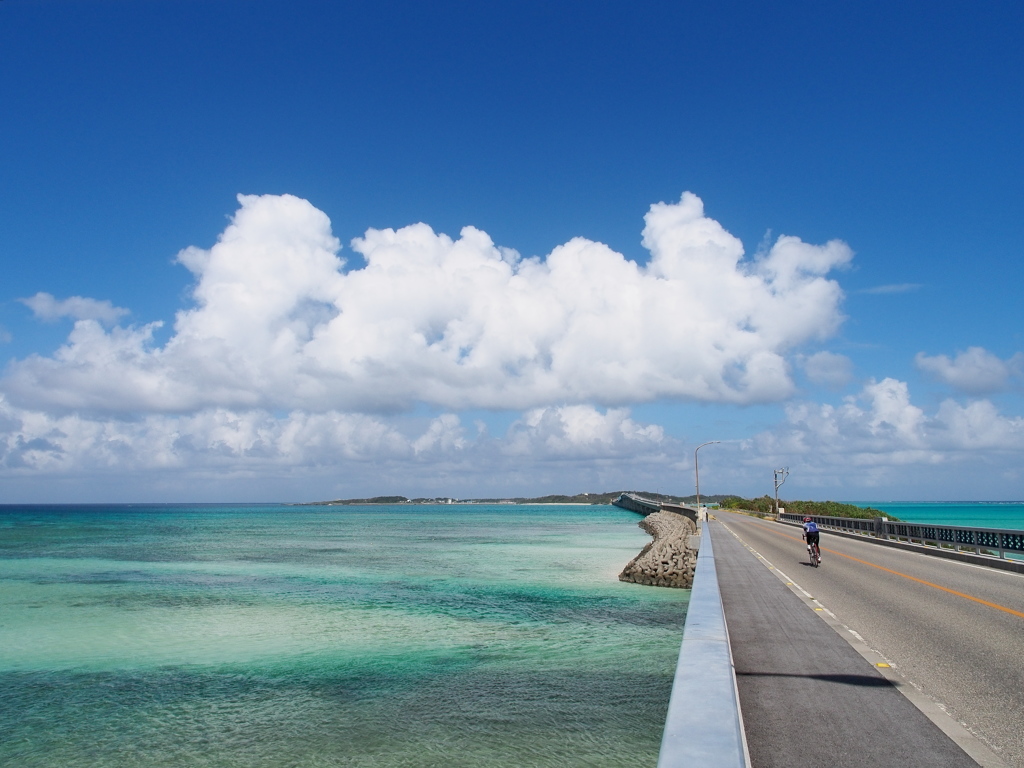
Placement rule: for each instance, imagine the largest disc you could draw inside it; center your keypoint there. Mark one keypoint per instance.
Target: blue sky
(878, 356)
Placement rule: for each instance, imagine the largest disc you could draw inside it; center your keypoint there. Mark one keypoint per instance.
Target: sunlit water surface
(330, 636)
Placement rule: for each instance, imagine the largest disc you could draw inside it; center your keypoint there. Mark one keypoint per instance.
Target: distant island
(579, 498)
(763, 505)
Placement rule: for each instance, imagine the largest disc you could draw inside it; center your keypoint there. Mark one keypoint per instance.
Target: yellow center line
(998, 607)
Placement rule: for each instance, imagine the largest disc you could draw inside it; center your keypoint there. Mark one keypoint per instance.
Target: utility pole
(783, 473)
(696, 472)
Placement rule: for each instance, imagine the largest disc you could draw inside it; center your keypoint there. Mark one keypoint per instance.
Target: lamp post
(783, 473)
(696, 471)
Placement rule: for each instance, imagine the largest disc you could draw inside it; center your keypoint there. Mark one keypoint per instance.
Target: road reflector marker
(882, 664)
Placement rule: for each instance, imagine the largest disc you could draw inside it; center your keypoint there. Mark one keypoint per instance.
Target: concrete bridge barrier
(704, 726)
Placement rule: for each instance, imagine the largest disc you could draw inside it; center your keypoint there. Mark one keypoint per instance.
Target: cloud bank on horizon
(289, 361)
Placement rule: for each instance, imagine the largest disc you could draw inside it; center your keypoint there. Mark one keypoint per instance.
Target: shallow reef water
(330, 636)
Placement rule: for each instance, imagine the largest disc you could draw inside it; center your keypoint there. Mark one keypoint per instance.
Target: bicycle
(815, 554)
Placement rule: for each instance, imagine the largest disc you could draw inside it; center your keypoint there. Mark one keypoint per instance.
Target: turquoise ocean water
(984, 514)
(330, 636)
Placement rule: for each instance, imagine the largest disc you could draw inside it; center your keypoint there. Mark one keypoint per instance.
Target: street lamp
(783, 473)
(696, 471)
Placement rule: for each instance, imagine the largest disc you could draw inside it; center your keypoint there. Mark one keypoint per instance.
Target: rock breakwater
(668, 561)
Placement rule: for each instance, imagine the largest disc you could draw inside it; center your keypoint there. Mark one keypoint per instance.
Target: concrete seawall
(669, 560)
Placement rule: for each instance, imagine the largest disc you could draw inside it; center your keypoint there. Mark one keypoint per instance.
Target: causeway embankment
(669, 560)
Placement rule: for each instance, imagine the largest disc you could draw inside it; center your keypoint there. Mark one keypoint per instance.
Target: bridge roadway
(952, 631)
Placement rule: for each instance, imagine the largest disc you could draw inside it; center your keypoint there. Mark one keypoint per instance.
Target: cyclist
(812, 536)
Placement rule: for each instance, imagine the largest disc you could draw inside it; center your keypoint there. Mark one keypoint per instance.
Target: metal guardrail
(996, 542)
(704, 726)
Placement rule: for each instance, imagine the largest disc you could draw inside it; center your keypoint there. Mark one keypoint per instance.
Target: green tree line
(765, 505)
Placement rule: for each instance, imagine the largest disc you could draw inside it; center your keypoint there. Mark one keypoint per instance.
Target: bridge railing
(997, 542)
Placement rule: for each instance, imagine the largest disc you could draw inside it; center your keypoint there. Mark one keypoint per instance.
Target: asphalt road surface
(954, 631)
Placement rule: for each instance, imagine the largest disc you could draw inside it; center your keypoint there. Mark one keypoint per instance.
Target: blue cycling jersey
(810, 527)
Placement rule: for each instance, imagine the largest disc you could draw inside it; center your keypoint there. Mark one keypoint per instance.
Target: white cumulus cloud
(582, 431)
(278, 323)
(46, 307)
(975, 371)
(877, 436)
